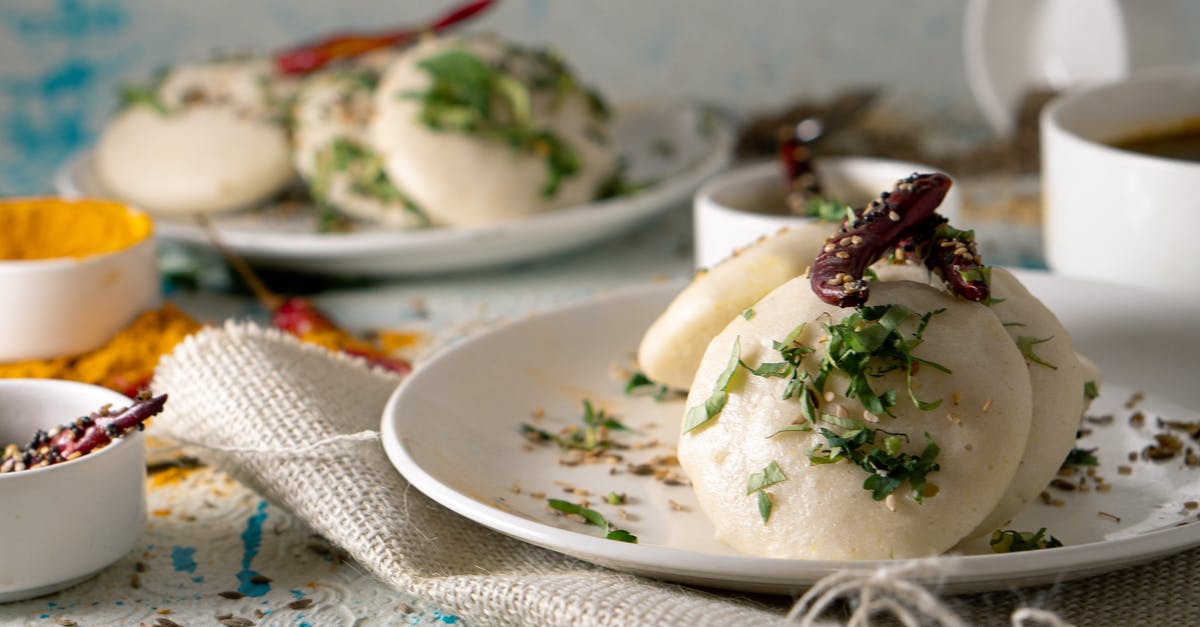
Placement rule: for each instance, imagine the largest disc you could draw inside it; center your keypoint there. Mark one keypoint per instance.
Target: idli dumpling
(670, 350)
(478, 131)
(1056, 378)
(333, 155)
(206, 138)
(768, 467)
(200, 159)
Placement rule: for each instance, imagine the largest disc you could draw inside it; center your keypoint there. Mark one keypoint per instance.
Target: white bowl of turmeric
(72, 274)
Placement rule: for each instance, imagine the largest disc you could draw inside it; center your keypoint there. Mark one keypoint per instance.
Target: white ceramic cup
(1117, 215)
(735, 208)
(64, 523)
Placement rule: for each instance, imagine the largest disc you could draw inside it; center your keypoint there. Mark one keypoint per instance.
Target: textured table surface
(209, 539)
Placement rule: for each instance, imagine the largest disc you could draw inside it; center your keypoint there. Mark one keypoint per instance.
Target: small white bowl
(66, 306)
(64, 523)
(735, 208)
(1116, 215)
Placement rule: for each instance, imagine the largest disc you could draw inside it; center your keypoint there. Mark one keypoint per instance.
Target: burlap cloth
(296, 424)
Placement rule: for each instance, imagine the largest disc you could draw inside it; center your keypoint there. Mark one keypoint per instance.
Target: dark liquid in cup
(1180, 141)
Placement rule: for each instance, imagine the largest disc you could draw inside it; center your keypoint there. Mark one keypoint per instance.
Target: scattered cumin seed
(258, 614)
(1133, 456)
(1063, 484)
(1137, 419)
(1109, 516)
(1100, 421)
(986, 406)
(1134, 399)
(237, 621)
(537, 495)
(1191, 505)
(66, 622)
(260, 579)
(135, 582)
(515, 489)
(300, 604)
(166, 622)
(678, 507)
(224, 615)
(231, 594)
(1104, 487)
(1124, 470)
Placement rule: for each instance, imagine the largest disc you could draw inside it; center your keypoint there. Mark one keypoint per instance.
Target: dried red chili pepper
(796, 156)
(313, 56)
(838, 270)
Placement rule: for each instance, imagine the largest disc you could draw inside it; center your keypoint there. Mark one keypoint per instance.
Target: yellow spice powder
(125, 363)
(50, 228)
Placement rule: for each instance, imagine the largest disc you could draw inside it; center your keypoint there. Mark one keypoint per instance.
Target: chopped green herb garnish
(1026, 343)
(592, 435)
(867, 344)
(594, 518)
(1081, 457)
(132, 95)
(870, 275)
(1009, 541)
(888, 467)
(827, 209)
(765, 504)
(769, 476)
(748, 313)
(712, 406)
(619, 184)
(1090, 391)
(366, 177)
(639, 382)
(471, 96)
(614, 498)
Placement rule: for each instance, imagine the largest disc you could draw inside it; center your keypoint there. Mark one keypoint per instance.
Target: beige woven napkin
(298, 425)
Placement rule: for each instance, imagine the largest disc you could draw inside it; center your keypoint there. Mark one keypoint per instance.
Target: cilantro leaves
(592, 435)
(867, 344)
(1026, 343)
(887, 466)
(593, 517)
(1009, 541)
(366, 177)
(471, 96)
(759, 482)
(712, 406)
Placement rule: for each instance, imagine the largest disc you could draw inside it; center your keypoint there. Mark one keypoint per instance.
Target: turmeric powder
(50, 228)
(126, 363)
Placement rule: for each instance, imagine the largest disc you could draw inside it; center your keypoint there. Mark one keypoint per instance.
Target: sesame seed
(890, 502)
(869, 417)
(986, 406)
(829, 396)
(843, 255)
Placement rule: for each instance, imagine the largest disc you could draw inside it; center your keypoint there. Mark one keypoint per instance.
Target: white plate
(677, 145)
(452, 430)
(1013, 47)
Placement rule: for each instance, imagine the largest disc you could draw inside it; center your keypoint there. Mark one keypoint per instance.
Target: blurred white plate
(677, 145)
(452, 430)
(1014, 47)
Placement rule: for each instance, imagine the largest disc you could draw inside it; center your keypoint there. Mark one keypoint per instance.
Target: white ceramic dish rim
(972, 572)
(82, 459)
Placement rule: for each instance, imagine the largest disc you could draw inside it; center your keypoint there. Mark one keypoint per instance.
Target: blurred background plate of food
(669, 149)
